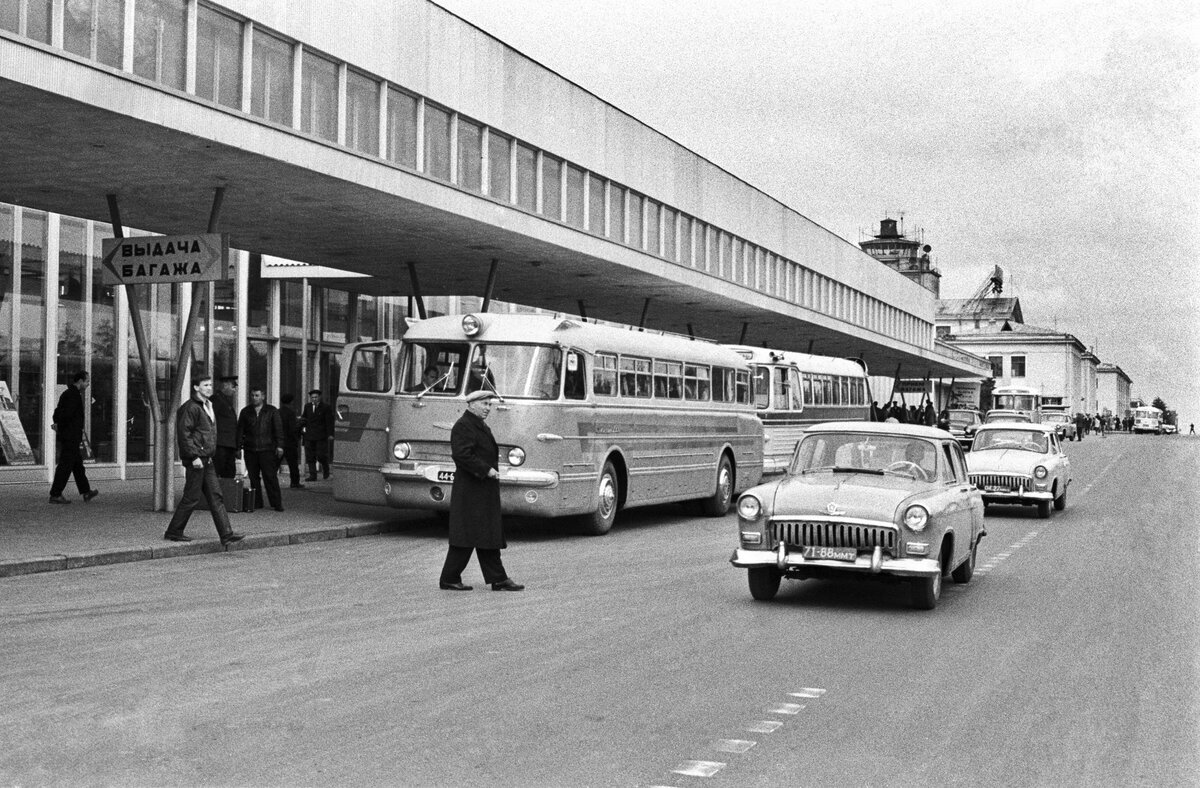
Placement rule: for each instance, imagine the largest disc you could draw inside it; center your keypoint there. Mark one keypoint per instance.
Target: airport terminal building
(418, 153)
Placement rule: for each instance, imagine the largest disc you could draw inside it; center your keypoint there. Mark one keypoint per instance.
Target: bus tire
(608, 497)
(717, 505)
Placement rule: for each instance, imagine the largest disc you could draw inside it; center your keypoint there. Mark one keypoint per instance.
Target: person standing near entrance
(317, 423)
(291, 438)
(475, 522)
(224, 404)
(196, 434)
(69, 419)
(260, 440)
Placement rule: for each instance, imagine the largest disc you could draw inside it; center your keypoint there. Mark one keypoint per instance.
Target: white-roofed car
(1006, 415)
(1063, 423)
(1023, 464)
(870, 499)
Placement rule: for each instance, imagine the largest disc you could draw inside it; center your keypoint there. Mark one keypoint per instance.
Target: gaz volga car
(1020, 464)
(874, 500)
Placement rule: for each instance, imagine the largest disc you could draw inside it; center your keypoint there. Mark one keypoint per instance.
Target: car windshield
(1056, 418)
(1024, 440)
(849, 452)
(994, 417)
(962, 419)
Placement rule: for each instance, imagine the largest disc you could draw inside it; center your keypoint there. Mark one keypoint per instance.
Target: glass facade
(271, 79)
(362, 113)
(159, 41)
(94, 29)
(319, 97)
(218, 57)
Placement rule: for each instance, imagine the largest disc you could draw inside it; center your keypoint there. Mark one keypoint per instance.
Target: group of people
(912, 414)
(212, 436)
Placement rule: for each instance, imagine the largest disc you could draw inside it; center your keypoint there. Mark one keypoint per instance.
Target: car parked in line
(994, 416)
(962, 425)
(1063, 423)
(1021, 464)
(866, 499)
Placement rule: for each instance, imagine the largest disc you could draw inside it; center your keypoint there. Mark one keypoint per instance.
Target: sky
(1058, 140)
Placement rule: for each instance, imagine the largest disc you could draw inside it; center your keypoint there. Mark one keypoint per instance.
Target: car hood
(1004, 461)
(852, 495)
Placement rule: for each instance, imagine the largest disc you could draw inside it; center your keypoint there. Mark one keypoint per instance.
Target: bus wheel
(722, 497)
(600, 522)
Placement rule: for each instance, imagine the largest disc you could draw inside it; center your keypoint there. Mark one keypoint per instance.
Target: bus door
(361, 431)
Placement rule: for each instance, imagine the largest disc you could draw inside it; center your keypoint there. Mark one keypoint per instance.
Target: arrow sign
(165, 259)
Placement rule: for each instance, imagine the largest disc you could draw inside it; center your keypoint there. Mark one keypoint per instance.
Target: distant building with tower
(906, 255)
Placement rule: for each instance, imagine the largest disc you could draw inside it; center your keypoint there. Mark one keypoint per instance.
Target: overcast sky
(1058, 140)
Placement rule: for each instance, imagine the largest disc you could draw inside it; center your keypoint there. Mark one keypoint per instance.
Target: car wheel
(1060, 502)
(600, 522)
(1043, 510)
(966, 570)
(926, 591)
(764, 582)
(718, 504)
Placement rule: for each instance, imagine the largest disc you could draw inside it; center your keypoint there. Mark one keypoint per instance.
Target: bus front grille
(795, 533)
(432, 451)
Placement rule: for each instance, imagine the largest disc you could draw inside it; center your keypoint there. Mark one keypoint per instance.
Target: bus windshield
(516, 370)
(1016, 402)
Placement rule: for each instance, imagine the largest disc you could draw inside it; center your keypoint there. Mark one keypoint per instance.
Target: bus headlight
(516, 456)
(470, 325)
(749, 507)
(1040, 472)
(916, 518)
(401, 450)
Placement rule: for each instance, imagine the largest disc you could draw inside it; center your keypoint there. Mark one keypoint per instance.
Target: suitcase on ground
(233, 492)
(247, 498)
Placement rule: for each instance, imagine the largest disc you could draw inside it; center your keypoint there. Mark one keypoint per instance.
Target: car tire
(926, 591)
(608, 498)
(966, 570)
(764, 582)
(1060, 502)
(1043, 510)
(717, 505)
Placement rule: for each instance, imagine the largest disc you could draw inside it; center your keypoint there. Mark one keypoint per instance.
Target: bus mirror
(572, 362)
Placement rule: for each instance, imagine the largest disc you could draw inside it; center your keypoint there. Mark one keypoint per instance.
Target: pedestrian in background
(317, 424)
(291, 438)
(475, 522)
(260, 442)
(196, 434)
(930, 414)
(69, 419)
(224, 403)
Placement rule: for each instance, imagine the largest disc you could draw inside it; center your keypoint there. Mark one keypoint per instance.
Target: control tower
(905, 255)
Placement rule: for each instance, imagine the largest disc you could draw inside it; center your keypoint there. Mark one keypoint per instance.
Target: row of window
(645, 378)
(383, 120)
(1016, 365)
(787, 388)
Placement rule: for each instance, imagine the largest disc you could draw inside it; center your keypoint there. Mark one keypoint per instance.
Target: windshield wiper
(844, 469)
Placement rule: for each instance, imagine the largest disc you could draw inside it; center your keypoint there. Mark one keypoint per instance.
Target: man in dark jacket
(317, 423)
(260, 437)
(291, 438)
(475, 500)
(196, 432)
(68, 425)
(224, 403)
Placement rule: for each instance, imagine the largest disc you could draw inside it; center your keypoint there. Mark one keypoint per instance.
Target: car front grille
(797, 533)
(994, 480)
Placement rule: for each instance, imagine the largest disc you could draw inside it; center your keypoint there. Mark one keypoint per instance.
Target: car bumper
(866, 563)
(1018, 496)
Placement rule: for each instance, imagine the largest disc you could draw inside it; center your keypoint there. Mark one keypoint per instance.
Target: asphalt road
(634, 659)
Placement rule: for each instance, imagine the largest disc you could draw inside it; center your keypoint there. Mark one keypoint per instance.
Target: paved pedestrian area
(119, 525)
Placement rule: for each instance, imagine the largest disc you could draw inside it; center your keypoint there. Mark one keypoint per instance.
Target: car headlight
(1040, 472)
(916, 518)
(470, 325)
(516, 456)
(401, 450)
(749, 507)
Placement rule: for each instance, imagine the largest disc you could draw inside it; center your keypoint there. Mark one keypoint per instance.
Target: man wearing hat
(475, 522)
(224, 403)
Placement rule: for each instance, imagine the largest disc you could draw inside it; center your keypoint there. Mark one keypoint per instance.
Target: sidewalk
(119, 525)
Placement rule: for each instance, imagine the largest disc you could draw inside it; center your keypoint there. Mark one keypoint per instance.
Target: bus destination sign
(165, 259)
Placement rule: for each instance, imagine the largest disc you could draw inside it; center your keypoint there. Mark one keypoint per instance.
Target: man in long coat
(69, 419)
(224, 404)
(475, 500)
(317, 424)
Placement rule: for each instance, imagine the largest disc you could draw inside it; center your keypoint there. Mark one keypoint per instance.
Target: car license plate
(445, 476)
(995, 488)
(831, 553)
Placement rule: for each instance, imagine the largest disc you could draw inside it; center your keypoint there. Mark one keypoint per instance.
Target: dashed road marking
(999, 558)
(699, 768)
(764, 726)
(786, 708)
(733, 745)
(808, 692)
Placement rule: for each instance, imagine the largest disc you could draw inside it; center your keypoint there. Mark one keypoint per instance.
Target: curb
(58, 562)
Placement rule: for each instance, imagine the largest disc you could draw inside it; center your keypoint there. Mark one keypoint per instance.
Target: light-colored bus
(593, 419)
(792, 391)
(1147, 419)
(1021, 399)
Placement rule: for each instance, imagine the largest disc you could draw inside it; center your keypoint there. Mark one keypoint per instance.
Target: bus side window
(573, 381)
(762, 387)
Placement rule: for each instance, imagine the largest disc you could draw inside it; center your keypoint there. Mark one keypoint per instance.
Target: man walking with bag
(196, 432)
(69, 419)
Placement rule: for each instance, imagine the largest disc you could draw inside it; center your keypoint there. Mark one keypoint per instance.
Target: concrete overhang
(73, 131)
